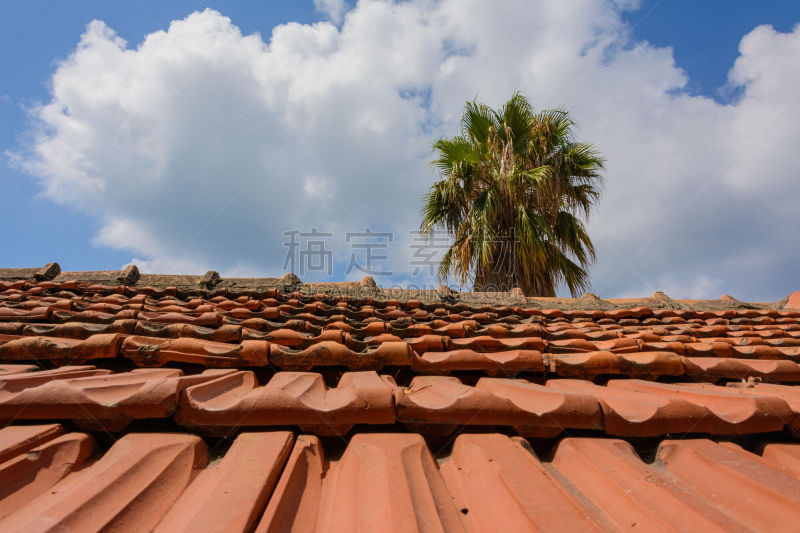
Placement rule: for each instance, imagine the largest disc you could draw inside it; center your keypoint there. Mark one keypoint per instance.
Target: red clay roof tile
(498, 485)
(677, 348)
(494, 401)
(590, 364)
(129, 489)
(104, 400)
(294, 505)
(790, 394)
(27, 476)
(484, 343)
(61, 350)
(630, 495)
(24, 315)
(211, 319)
(734, 411)
(34, 379)
(16, 440)
(230, 495)
(714, 368)
(224, 333)
(154, 351)
(329, 353)
(383, 482)
(506, 363)
(784, 456)
(79, 330)
(727, 477)
(6, 370)
(289, 398)
(640, 414)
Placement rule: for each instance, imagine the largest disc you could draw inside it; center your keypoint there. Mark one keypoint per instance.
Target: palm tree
(513, 187)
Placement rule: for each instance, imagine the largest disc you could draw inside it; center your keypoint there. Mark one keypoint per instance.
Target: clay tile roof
(269, 404)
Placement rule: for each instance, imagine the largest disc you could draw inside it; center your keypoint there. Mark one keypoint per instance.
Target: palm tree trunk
(496, 277)
(503, 279)
(540, 287)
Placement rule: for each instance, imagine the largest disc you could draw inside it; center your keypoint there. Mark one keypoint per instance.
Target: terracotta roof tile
(590, 364)
(485, 343)
(6, 370)
(224, 333)
(494, 402)
(27, 476)
(155, 351)
(391, 482)
(209, 319)
(383, 482)
(734, 411)
(727, 476)
(230, 495)
(327, 353)
(239, 356)
(101, 400)
(25, 315)
(630, 494)
(505, 363)
(793, 301)
(34, 379)
(641, 414)
(790, 394)
(17, 440)
(47, 272)
(715, 367)
(784, 456)
(295, 502)
(61, 350)
(78, 330)
(129, 489)
(289, 398)
(484, 467)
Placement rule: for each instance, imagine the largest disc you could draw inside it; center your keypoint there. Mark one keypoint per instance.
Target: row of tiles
(487, 338)
(62, 306)
(297, 332)
(300, 330)
(276, 482)
(518, 355)
(119, 297)
(229, 345)
(218, 400)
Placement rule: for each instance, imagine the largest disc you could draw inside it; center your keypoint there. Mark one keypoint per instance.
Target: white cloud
(200, 146)
(333, 9)
(315, 186)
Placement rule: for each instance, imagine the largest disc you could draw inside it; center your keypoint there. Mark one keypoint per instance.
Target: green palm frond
(516, 114)
(452, 152)
(476, 123)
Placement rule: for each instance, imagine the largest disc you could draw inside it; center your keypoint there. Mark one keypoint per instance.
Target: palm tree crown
(513, 187)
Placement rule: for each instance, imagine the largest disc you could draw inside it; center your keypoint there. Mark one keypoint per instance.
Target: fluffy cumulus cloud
(199, 147)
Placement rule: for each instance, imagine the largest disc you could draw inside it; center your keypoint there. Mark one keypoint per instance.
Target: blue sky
(705, 35)
(702, 37)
